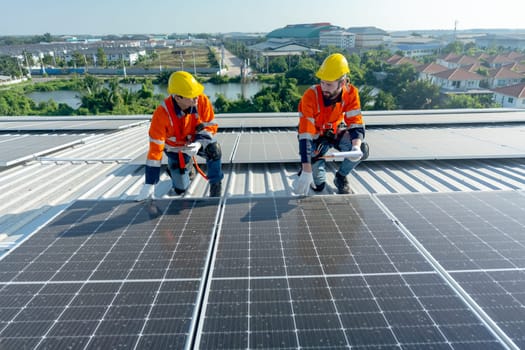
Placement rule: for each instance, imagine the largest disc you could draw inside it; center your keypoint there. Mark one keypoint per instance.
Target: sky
(101, 17)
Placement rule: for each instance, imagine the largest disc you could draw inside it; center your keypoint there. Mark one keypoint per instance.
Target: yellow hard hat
(333, 67)
(184, 84)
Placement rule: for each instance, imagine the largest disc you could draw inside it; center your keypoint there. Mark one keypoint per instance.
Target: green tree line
(382, 87)
(96, 98)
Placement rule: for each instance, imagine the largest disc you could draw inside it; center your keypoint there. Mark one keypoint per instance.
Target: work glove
(358, 155)
(303, 183)
(145, 193)
(192, 149)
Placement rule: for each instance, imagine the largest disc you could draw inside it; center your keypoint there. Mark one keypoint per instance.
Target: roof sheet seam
(456, 287)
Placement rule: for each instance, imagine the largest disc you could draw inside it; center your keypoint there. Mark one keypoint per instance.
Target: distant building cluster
(501, 75)
(126, 52)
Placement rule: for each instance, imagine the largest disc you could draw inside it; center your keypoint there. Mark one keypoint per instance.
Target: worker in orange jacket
(329, 117)
(183, 127)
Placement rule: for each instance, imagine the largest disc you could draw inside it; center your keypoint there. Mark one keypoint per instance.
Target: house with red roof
(457, 79)
(504, 76)
(510, 96)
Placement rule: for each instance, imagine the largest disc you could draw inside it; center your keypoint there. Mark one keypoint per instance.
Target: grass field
(190, 56)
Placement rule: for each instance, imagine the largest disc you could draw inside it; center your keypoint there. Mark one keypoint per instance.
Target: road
(231, 64)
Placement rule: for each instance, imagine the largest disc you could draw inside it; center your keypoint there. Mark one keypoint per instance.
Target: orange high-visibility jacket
(171, 129)
(315, 118)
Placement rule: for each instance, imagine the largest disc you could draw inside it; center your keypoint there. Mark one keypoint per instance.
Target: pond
(68, 97)
(232, 91)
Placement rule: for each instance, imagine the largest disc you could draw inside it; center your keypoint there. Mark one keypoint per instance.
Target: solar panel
(327, 272)
(380, 118)
(449, 143)
(266, 147)
(360, 271)
(388, 144)
(385, 144)
(257, 120)
(108, 275)
(479, 238)
(70, 123)
(18, 148)
(226, 140)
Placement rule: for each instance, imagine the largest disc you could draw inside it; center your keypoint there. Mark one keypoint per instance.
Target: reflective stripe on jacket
(169, 131)
(315, 118)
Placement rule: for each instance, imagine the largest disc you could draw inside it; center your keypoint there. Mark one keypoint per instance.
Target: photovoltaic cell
(227, 142)
(266, 147)
(317, 272)
(479, 238)
(28, 124)
(108, 275)
(18, 148)
(327, 272)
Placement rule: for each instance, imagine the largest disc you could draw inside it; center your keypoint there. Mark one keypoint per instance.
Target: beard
(330, 95)
(330, 98)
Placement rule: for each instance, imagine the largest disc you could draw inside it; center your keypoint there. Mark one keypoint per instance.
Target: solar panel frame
(477, 238)
(322, 271)
(266, 147)
(40, 124)
(275, 306)
(109, 274)
(19, 148)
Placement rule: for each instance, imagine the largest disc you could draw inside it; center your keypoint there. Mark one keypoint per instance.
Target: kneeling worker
(330, 117)
(182, 127)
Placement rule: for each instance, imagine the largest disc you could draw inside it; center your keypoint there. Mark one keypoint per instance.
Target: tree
(419, 95)
(282, 96)
(79, 60)
(304, 71)
(91, 84)
(384, 101)
(48, 60)
(47, 38)
(102, 60)
(10, 66)
(365, 97)
(468, 101)
(146, 90)
(278, 65)
(454, 47)
(397, 78)
(13, 102)
(221, 104)
(115, 99)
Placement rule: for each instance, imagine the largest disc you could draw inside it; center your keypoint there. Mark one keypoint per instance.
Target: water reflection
(232, 91)
(71, 98)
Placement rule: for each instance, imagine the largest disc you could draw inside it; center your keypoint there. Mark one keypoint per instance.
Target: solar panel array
(381, 118)
(418, 271)
(108, 275)
(29, 124)
(479, 239)
(18, 148)
(255, 143)
(386, 144)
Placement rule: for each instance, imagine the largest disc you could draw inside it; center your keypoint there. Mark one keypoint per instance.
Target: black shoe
(341, 182)
(216, 189)
(318, 188)
(178, 191)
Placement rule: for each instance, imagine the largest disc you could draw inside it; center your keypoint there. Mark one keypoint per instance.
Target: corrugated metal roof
(35, 191)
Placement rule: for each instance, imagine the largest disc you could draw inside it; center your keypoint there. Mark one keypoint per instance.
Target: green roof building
(307, 34)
